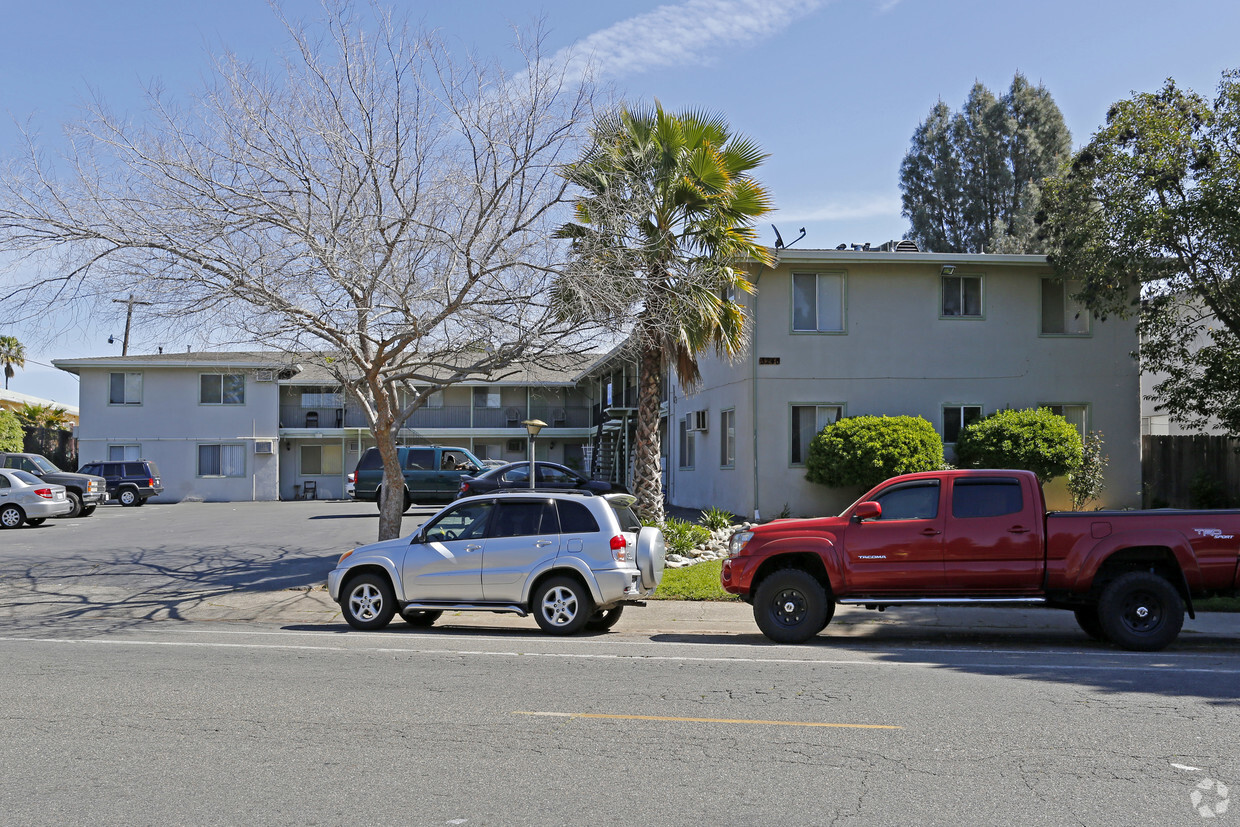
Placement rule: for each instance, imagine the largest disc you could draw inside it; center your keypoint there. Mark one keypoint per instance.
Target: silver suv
(571, 559)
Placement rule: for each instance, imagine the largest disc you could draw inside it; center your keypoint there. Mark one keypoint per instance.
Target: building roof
(309, 369)
(786, 255)
(11, 400)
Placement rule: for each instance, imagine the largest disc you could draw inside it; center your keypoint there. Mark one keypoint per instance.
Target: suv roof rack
(519, 491)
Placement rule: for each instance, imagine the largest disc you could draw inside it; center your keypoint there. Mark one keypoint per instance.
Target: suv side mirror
(867, 511)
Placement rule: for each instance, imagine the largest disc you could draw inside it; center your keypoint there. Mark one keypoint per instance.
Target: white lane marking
(1169, 668)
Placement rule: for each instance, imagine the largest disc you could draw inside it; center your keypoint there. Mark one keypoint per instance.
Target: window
(522, 519)
(322, 398)
(486, 398)
(489, 450)
(120, 453)
(420, 459)
(956, 417)
(688, 445)
(818, 302)
(221, 389)
(124, 389)
(986, 498)
(919, 501)
(465, 522)
(1075, 414)
(727, 438)
(962, 296)
(1063, 315)
(221, 460)
(807, 421)
(575, 518)
(321, 460)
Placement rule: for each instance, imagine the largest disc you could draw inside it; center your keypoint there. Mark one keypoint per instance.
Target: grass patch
(697, 582)
(1217, 604)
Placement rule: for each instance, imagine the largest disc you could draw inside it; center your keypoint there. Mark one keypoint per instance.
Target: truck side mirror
(867, 511)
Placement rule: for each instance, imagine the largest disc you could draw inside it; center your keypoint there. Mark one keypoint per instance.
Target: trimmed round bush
(1032, 440)
(863, 451)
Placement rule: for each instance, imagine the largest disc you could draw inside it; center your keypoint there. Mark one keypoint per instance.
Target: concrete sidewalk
(706, 618)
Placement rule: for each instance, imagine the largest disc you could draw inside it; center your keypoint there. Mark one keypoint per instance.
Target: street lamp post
(532, 427)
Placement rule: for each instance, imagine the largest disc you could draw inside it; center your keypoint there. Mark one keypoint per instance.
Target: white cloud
(854, 208)
(686, 34)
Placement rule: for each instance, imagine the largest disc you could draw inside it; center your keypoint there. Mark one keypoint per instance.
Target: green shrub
(716, 518)
(1034, 440)
(683, 536)
(865, 450)
(12, 437)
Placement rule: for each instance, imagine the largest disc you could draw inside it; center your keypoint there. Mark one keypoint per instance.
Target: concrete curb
(674, 617)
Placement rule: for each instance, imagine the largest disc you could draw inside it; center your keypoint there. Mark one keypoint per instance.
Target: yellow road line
(702, 720)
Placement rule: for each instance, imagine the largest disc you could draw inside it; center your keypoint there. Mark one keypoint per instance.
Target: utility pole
(128, 320)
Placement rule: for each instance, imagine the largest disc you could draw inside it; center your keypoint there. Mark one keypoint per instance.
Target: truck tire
(1087, 619)
(75, 501)
(651, 553)
(1141, 611)
(791, 606)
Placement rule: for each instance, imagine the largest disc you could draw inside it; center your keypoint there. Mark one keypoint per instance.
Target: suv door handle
(473, 547)
(541, 543)
(930, 532)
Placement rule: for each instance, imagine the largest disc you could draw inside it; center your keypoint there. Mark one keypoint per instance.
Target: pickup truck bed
(983, 537)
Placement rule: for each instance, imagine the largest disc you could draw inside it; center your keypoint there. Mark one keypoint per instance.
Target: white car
(571, 559)
(24, 498)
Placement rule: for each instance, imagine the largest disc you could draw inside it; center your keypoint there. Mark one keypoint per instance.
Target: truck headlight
(739, 540)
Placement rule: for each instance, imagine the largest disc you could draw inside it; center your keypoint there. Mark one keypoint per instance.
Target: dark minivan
(131, 482)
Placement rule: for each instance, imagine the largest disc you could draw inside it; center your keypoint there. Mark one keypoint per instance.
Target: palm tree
(12, 355)
(662, 233)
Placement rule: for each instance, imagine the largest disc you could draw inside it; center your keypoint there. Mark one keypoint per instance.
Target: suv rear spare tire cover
(651, 550)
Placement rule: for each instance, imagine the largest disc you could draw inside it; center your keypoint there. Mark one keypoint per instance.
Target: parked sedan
(24, 498)
(550, 475)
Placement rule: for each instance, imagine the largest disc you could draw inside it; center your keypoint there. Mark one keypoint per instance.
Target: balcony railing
(448, 416)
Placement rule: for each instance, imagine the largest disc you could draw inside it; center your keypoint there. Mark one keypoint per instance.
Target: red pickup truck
(984, 537)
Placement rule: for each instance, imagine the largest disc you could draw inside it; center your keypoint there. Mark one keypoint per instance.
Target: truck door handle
(930, 532)
(1018, 529)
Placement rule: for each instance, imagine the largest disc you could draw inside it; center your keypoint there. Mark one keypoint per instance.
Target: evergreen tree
(971, 179)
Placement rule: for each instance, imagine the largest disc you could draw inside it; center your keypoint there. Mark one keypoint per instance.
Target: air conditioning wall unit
(264, 376)
(264, 446)
(699, 421)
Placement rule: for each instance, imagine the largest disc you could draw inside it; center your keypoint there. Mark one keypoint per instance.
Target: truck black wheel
(87, 510)
(604, 619)
(1087, 619)
(76, 502)
(368, 602)
(1141, 611)
(791, 606)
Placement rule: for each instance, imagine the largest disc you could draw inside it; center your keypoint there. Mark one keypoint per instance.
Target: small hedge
(1034, 440)
(12, 435)
(863, 451)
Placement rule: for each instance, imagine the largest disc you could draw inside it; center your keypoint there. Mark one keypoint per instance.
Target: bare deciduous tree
(374, 199)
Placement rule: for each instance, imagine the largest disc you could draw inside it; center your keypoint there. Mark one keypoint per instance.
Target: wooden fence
(1190, 471)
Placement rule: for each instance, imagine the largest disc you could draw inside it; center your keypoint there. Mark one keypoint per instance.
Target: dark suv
(131, 482)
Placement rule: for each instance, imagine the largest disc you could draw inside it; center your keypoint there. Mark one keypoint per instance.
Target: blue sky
(832, 90)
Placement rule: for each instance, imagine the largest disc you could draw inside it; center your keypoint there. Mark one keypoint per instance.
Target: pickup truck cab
(983, 537)
(432, 473)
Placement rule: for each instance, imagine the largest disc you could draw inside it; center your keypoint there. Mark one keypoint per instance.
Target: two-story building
(947, 337)
(262, 426)
(835, 333)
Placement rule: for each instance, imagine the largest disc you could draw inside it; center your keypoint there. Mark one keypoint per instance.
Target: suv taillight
(619, 548)
(45, 493)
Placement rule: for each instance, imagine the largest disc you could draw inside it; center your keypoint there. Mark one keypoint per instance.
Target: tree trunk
(392, 494)
(647, 475)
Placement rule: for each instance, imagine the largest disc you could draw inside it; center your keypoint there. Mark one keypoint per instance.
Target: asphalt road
(118, 712)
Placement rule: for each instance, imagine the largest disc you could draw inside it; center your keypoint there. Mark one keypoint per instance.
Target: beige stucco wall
(897, 356)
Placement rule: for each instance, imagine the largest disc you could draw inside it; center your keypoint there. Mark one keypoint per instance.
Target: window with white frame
(322, 398)
(489, 450)
(956, 417)
(122, 453)
(1063, 315)
(486, 397)
(727, 438)
(125, 388)
(807, 421)
(321, 460)
(221, 389)
(962, 297)
(818, 302)
(688, 443)
(1077, 415)
(221, 460)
